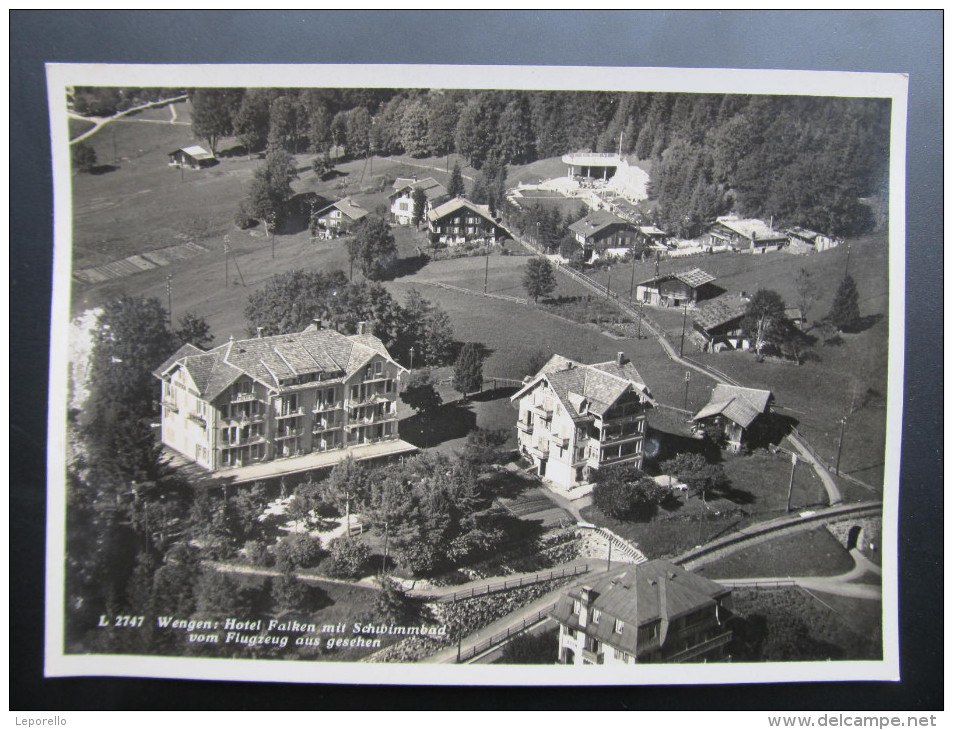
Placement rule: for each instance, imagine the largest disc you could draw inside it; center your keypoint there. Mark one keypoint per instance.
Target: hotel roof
(584, 389)
(274, 361)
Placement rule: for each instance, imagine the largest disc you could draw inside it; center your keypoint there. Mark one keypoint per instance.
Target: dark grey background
(887, 41)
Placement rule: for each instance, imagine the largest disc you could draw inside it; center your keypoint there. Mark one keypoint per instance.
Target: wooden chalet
(719, 323)
(460, 221)
(748, 235)
(731, 412)
(194, 157)
(676, 289)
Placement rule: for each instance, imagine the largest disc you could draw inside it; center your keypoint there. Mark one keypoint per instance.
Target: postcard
(475, 374)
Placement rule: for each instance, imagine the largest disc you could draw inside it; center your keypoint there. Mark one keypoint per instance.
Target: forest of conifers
(819, 162)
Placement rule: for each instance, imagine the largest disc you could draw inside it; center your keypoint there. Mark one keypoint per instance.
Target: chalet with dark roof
(731, 412)
(720, 322)
(644, 614)
(576, 418)
(460, 221)
(601, 230)
(676, 289)
(266, 398)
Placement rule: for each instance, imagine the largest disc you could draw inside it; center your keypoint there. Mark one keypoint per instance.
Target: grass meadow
(143, 204)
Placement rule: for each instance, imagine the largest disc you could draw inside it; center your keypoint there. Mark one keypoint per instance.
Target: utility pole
(847, 265)
(840, 444)
(226, 261)
(639, 335)
(608, 282)
(609, 561)
(486, 270)
(791, 483)
(632, 282)
(688, 377)
(681, 347)
(168, 288)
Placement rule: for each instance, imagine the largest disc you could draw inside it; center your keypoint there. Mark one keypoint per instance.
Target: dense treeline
(801, 160)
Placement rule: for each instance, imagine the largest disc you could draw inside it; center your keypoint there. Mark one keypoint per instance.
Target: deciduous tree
(539, 279)
(212, 113)
(373, 247)
(703, 478)
(194, 330)
(764, 319)
(421, 394)
(83, 156)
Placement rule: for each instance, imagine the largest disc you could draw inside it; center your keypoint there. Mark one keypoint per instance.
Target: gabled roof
(596, 222)
(432, 189)
(692, 277)
(805, 234)
(455, 204)
(719, 311)
(751, 228)
(272, 361)
(584, 389)
(639, 595)
(740, 405)
(196, 152)
(183, 351)
(348, 207)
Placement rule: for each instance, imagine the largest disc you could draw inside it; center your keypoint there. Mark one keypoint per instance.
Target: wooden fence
(496, 639)
(513, 583)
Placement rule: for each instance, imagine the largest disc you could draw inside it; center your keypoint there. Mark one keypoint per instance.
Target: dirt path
(100, 122)
(840, 585)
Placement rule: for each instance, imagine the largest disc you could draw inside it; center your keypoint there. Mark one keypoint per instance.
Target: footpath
(100, 122)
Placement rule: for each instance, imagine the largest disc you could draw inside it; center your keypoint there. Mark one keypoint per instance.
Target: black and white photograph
(555, 375)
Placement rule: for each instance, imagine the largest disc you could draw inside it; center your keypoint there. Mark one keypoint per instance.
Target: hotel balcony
(369, 398)
(593, 656)
(170, 405)
(524, 426)
(289, 434)
(291, 414)
(322, 427)
(329, 406)
(247, 441)
(560, 441)
(693, 652)
(543, 411)
(198, 420)
(539, 450)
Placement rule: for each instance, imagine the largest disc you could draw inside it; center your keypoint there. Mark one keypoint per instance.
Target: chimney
(362, 328)
(260, 330)
(620, 359)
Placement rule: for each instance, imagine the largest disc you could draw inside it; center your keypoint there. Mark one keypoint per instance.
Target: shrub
(297, 551)
(244, 219)
(348, 558)
(257, 553)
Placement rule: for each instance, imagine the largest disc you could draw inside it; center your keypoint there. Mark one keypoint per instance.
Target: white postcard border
(741, 81)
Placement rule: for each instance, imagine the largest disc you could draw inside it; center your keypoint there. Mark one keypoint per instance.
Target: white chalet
(576, 418)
